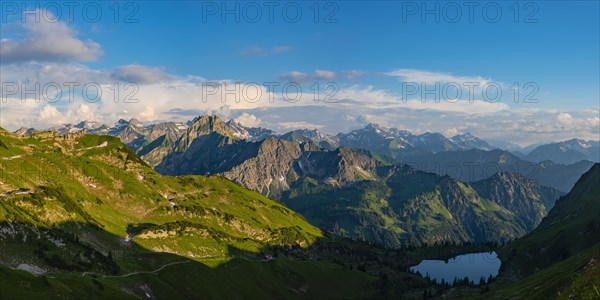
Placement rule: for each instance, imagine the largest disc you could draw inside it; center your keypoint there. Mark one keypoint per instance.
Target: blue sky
(367, 48)
(561, 50)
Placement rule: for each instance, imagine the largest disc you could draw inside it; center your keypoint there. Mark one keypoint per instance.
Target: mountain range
(396, 143)
(566, 152)
(360, 194)
(474, 164)
(308, 170)
(83, 216)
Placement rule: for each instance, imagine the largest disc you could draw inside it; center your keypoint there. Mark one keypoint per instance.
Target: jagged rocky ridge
(287, 167)
(463, 156)
(361, 195)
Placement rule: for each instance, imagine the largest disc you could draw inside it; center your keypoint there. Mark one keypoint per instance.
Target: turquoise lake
(472, 265)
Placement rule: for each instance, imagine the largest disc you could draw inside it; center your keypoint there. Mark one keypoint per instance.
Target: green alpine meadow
(82, 215)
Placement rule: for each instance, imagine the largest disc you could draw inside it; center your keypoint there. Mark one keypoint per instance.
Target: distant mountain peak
(374, 126)
(324, 140)
(134, 121)
(388, 132)
(204, 125)
(89, 125)
(24, 130)
(432, 134)
(207, 124)
(566, 152)
(463, 135)
(469, 141)
(249, 133)
(234, 123)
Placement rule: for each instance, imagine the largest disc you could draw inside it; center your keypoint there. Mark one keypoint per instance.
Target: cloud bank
(156, 95)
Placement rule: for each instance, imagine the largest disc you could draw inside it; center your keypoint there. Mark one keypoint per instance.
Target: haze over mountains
(464, 156)
(383, 140)
(566, 152)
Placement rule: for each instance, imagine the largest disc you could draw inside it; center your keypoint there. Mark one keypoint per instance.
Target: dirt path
(104, 144)
(12, 157)
(135, 273)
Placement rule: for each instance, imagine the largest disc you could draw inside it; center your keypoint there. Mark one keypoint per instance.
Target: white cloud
(248, 120)
(523, 126)
(476, 107)
(50, 115)
(264, 52)
(48, 41)
(564, 118)
(139, 74)
(281, 49)
(45, 72)
(42, 115)
(428, 77)
(168, 97)
(299, 125)
(85, 112)
(181, 98)
(324, 74)
(353, 74)
(450, 132)
(224, 112)
(368, 118)
(300, 78)
(369, 97)
(296, 76)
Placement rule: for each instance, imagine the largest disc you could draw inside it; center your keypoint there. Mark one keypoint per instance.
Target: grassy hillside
(561, 258)
(577, 277)
(91, 219)
(571, 226)
(238, 279)
(98, 180)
